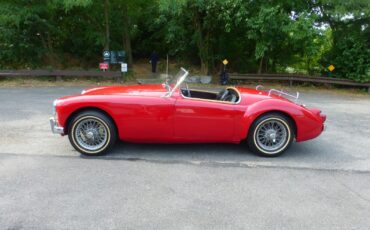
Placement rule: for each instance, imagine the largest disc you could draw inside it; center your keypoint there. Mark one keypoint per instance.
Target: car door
(147, 119)
(198, 120)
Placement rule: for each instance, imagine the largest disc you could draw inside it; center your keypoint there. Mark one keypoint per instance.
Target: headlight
(83, 91)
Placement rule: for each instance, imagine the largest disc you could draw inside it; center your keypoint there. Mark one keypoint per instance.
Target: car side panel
(308, 124)
(204, 121)
(148, 120)
(138, 119)
(152, 119)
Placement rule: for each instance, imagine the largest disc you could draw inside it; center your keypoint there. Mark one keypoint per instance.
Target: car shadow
(207, 153)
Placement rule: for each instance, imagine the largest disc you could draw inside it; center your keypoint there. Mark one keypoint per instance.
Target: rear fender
(257, 109)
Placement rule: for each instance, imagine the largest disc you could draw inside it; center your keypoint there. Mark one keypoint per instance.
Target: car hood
(144, 90)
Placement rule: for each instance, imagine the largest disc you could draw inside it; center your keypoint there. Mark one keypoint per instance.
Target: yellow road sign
(225, 62)
(331, 68)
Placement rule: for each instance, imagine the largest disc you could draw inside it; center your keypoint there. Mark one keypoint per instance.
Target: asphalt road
(319, 184)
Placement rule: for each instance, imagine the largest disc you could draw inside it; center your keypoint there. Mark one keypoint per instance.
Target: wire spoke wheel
(91, 134)
(271, 135)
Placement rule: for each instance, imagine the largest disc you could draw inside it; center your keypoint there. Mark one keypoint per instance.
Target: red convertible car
(173, 113)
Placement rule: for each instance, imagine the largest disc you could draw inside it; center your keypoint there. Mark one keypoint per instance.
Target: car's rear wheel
(92, 133)
(270, 135)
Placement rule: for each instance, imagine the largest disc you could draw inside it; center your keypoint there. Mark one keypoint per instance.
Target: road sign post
(224, 79)
(331, 68)
(106, 56)
(103, 66)
(124, 69)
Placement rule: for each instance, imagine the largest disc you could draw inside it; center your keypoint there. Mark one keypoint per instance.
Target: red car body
(141, 114)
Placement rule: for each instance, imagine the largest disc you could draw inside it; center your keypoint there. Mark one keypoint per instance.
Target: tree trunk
(204, 54)
(107, 29)
(126, 35)
(48, 46)
(261, 66)
(273, 66)
(308, 66)
(202, 43)
(266, 61)
(204, 66)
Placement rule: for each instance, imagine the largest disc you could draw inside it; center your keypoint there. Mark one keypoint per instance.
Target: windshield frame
(179, 81)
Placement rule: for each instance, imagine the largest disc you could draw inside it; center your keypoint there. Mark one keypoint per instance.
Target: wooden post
(121, 78)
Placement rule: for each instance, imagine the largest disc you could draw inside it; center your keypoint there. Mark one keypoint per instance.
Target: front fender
(68, 106)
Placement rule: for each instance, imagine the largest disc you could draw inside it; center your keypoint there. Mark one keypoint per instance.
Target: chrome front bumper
(54, 126)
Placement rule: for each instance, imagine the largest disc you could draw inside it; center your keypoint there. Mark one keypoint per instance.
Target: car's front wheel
(92, 133)
(270, 135)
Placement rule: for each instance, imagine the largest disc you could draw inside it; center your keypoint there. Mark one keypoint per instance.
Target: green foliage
(303, 36)
(350, 58)
(349, 24)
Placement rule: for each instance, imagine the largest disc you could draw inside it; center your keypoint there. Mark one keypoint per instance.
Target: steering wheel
(223, 96)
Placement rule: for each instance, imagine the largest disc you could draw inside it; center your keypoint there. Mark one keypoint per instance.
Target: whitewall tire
(92, 133)
(271, 134)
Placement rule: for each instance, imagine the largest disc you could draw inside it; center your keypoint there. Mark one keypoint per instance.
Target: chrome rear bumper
(54, 126)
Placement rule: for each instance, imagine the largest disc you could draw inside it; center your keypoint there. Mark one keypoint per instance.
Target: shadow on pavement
(228, 153)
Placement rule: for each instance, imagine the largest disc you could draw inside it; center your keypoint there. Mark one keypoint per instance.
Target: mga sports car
(174, 113)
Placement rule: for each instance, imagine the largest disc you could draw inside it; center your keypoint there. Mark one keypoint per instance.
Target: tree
(349, 23)
(255, 36)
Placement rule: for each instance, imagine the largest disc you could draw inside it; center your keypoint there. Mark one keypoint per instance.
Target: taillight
(323, 117)
(318, 113)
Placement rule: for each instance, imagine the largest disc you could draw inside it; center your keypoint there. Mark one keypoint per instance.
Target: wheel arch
(291, 111)
(84, 109)
(280, 112)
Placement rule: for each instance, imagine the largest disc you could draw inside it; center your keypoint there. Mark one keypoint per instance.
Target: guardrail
(299, 78)
(270, 77)
(58, 73)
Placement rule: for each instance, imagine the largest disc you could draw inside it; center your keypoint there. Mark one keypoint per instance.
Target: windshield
(177, 80)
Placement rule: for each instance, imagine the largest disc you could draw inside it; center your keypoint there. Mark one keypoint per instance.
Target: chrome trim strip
(280, 92)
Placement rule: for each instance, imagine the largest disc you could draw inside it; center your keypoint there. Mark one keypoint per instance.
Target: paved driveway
(319, 184)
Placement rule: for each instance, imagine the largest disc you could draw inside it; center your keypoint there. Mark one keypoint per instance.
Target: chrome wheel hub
(90, 135)
(271, 135)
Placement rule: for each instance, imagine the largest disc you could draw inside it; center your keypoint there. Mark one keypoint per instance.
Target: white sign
(123, 67)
